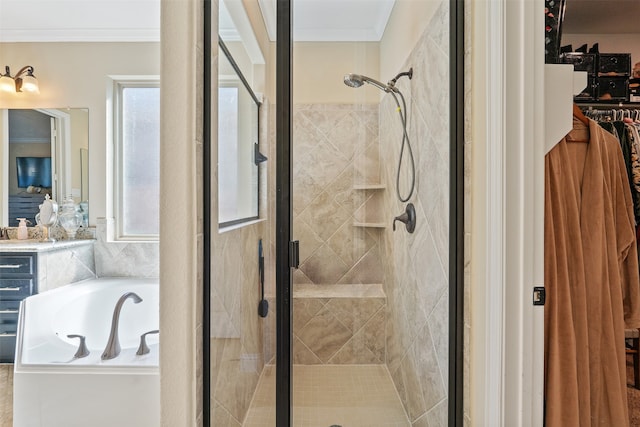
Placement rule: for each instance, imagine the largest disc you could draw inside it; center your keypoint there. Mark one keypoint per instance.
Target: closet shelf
(370, 224)
(369, 187)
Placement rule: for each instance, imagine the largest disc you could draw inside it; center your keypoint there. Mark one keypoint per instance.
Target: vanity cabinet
(18, 280)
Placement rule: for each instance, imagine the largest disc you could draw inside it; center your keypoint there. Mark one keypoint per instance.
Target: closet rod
(609, 105)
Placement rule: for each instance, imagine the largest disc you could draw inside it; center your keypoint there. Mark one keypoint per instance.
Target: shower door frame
(284, 214)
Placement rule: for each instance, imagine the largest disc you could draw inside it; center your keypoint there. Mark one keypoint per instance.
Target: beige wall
(181, 221)
(241, 58)
(75, 75)
(264, 75)
(319, 69)
(406, 24)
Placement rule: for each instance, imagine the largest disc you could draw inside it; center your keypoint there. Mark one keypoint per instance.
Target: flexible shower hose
(405, 142)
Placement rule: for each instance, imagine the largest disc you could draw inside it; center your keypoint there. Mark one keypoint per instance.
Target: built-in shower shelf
(370, 224)
(369, 187)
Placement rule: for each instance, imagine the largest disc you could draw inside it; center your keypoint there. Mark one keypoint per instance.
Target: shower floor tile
(326, 395)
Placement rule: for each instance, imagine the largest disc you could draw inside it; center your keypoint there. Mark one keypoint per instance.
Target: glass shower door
(372, 159)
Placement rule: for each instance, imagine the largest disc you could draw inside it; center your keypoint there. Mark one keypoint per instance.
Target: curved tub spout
(113, 345)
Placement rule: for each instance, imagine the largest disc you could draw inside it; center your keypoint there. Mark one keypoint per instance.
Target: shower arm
(392, 82)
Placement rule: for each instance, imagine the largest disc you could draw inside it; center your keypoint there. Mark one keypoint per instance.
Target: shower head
(357, 80)
(353, 80)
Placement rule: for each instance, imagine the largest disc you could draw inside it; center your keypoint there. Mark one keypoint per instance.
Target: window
(137, 160)
(237, 138)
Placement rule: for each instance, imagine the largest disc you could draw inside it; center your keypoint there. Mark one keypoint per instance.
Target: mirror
(44, 151)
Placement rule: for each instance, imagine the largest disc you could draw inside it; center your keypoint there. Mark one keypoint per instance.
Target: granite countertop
(32, 245)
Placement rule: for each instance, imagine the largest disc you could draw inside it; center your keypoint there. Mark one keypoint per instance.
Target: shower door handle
(294, 254)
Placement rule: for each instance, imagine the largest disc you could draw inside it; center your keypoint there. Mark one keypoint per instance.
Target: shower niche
(369, 215)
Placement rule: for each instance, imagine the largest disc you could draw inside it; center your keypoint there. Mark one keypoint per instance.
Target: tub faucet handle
(82, 351)
(143, 348)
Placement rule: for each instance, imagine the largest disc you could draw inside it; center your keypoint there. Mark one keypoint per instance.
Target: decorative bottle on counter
(69, 218)
(23, 233)
(47, 217)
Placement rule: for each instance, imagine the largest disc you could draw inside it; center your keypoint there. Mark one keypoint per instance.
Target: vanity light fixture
(24, 81)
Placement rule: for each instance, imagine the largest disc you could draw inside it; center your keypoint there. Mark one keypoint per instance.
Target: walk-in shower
(358, 329)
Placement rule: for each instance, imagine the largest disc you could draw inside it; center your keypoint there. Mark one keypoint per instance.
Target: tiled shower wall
(416, 265)
(339, 330)
(241, 341)
(336, 148)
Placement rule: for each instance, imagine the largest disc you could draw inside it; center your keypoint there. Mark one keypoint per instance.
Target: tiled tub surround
(416, 265)
(339, 324)
(122, 258)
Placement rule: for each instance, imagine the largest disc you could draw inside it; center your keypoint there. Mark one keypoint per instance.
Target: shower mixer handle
(408, 218)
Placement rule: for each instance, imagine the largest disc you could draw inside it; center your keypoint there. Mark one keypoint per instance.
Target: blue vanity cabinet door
(18, 280)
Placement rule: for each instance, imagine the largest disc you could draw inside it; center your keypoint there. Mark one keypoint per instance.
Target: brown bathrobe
(591, 279)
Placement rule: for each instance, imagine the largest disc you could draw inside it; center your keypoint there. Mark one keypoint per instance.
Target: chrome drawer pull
(11, 266)
(8, 311)
(6, 335)
(10, 289)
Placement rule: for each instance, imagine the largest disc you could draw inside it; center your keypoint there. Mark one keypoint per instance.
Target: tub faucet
(113, 345)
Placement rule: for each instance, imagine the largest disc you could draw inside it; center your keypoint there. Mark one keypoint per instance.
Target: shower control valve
(408, 218)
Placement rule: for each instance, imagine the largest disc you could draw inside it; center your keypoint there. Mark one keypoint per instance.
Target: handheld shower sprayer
(357, 80)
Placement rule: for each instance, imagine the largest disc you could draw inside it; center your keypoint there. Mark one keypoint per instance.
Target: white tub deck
(52, 388)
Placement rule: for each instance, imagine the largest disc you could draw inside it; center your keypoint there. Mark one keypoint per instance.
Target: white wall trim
(508, 201)
(494, 243)
(4, 167)
(95, 35)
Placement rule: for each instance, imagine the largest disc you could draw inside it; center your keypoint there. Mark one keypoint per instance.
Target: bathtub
(52, 388)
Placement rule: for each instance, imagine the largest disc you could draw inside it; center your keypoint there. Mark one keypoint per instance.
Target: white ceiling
(79, 20)
(332, 20)
(139, 20)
